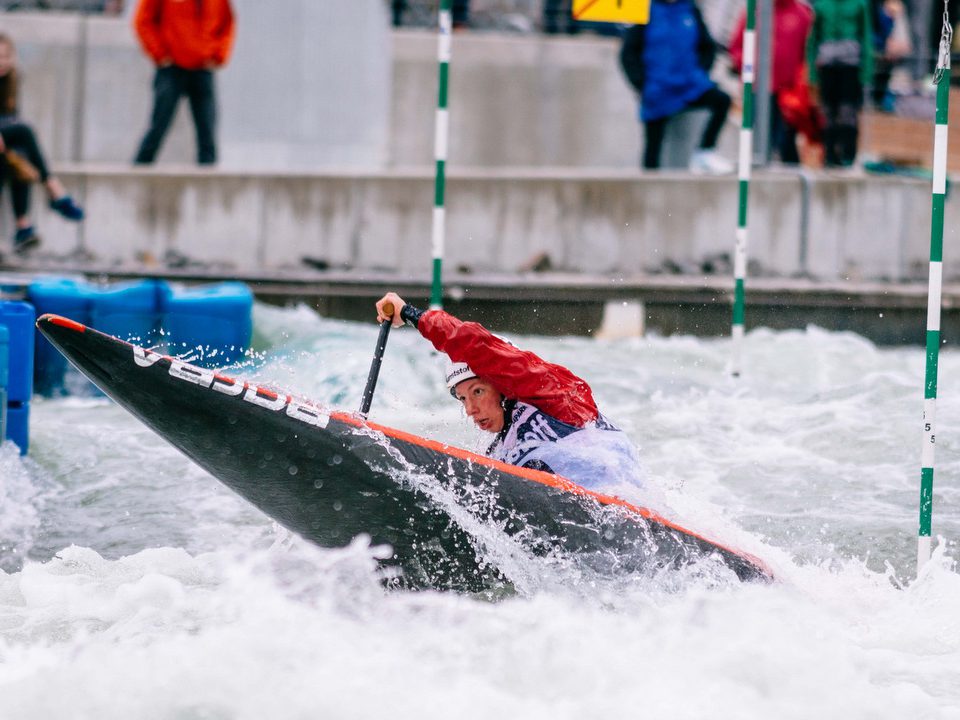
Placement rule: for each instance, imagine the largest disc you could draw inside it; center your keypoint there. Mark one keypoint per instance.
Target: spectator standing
(23, 162)
(792, 20)
(891, 44)
(667, 62)
(187, 40)
(460, 14)
(840, 53)
(397, 8)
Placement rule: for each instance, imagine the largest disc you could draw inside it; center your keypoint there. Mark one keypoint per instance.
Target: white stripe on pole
(745, 160)
(940, 160)
(445, 41)
(934, 294)
(740, 255)
(440, 139)
(929, 428)
(437, 234)
(736, 335)
(923, 551)
(749, 53)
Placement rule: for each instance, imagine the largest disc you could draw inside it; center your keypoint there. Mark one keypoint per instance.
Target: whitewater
(134, 585)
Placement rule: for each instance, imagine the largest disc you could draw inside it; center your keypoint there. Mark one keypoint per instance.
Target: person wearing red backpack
(792, 20)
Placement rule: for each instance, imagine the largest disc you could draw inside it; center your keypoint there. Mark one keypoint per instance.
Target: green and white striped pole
(440, 142)
(746, 157)
(942, 81)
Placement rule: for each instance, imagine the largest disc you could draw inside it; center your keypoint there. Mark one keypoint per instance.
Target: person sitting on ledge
(23, 162)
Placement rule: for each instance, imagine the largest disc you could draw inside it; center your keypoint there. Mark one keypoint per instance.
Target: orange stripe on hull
(63, 322)
(544, 478)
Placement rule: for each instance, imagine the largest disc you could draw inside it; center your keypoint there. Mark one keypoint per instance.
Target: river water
(134, 585)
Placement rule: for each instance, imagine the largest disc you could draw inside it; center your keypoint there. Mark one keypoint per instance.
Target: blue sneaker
(66, 207)
(25, 239)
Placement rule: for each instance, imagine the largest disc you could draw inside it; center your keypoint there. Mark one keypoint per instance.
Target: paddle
(377, 359)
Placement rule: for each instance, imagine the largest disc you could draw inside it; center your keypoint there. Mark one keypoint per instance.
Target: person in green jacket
(840, 56)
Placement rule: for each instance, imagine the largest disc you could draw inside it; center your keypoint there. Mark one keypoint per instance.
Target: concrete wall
(823, 226)
(308, 93)
(328, 84)
(298, 92)
(515, 101)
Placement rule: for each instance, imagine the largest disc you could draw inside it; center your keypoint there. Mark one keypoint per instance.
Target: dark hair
(8, 84)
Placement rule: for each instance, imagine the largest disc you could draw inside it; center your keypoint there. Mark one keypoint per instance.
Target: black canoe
(330, 476)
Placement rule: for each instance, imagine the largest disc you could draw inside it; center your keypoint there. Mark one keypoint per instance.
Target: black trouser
(397, 7)
(841, 94)
(557, 18)
(169, 84)
(460, 11)
(881, 81)
(783, 136)
(714, 100)
(20, 137)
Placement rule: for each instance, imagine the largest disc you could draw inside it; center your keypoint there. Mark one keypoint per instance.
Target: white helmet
(456, 373)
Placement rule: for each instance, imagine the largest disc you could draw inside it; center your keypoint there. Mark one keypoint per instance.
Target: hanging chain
(946, 43)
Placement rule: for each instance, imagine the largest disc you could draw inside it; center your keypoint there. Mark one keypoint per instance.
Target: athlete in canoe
(543, 416)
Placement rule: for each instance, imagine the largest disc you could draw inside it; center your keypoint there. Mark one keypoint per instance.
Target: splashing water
(135, 585)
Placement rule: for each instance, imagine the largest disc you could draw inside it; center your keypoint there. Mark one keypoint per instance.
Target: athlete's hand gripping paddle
(377, 359)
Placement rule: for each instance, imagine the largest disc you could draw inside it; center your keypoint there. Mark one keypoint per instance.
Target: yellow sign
(633, 12)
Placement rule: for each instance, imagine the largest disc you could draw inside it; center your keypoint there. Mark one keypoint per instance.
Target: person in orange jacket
(187, 40)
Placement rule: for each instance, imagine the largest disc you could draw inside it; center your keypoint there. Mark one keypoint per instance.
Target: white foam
(178, 600)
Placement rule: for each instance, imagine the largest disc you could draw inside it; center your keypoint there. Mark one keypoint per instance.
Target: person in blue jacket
(668, 62)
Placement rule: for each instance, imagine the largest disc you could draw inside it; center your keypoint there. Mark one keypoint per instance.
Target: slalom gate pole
(746, 157)
(440, 141)
(377, 359)
(941, 79)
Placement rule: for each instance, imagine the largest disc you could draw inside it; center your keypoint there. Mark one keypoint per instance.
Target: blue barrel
(129, 311)
(4, 377)
(217, 318)
(4, 356)
(3, 413)
(61, 296)
(18, 425)
(17, 319)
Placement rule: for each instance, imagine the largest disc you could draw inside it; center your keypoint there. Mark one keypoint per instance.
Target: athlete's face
(482, 403)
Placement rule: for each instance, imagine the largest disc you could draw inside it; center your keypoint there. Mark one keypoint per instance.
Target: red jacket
(792, 20)
(516, 373)
(193, 34)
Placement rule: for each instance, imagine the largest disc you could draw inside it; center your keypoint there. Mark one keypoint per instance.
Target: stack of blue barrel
(16, 371)
(4, 377)
(212, 324)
